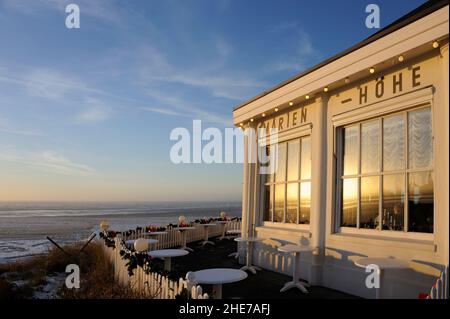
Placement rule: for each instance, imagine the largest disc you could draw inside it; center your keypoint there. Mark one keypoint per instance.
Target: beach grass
(24, 279)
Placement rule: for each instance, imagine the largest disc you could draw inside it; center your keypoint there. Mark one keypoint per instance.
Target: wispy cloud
(214, 77)
(7, 127)
(46, 83)
(94, 111)
(164, 111)
(178, 106)
(304, 50)
(49, 161)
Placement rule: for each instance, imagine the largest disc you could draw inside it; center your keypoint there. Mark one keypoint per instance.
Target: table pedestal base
(222, 227)
(235, 255)
(251, 268)
(183, 246)
(298, 284)
(167, 263)
(203, 243)
(217, 291)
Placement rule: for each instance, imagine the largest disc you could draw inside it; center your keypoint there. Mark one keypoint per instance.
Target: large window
(287, 192)
(386, 173)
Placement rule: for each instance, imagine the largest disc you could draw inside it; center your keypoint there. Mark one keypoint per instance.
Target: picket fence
(173, 237)
(440, 288)
(153, 285)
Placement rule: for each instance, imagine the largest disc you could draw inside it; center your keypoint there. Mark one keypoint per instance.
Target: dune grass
(96, 274)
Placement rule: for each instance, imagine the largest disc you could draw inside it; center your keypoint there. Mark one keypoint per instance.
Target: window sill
(300, 231)
(425, 243)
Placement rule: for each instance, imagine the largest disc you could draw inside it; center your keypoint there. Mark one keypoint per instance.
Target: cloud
(47, 83)
(181, 106)
(7, 127)
(300, 57)
(211, 75)
(95, 111)
(49, 161)
(164, 111)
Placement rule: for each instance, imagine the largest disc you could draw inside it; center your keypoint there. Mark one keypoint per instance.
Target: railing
(173, 237)
(151, 285)
(440, 288)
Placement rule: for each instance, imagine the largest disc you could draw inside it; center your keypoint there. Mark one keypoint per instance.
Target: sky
(86, 114)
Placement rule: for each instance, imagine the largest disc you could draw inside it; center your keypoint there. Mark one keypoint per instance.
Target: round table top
(206, 225)
(249, 239)
(164, 253)
(150, 241)
(184, 228)
(156, 233)
(216, 276)
(382, 263)
(234, 231)
(290, 248)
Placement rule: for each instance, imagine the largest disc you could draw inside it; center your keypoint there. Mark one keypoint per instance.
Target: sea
(25, 226)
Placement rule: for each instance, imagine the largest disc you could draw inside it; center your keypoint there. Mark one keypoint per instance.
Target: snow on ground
(10, 250)
(50, 289)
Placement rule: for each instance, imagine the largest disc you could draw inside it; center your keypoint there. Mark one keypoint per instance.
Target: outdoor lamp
(141, 245)
(104, 225)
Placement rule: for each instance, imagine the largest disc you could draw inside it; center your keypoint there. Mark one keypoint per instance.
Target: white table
(222, 224)
(217, 277)
(206, 232)
(151, 242)
(249, 240)
(167, 255)
(295, 250)
(383, 264)
(183, 231)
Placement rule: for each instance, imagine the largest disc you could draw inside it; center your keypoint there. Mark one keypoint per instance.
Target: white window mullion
(405, 206)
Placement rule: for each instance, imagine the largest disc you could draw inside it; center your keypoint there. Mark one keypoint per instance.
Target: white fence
(154, 285)
(150, 285)
(440, 289)
(173, 237)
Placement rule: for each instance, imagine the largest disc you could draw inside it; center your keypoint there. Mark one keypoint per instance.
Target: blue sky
(85, 114)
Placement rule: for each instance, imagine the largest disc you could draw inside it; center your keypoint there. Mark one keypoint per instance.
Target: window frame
(299, 133)
(406, 171)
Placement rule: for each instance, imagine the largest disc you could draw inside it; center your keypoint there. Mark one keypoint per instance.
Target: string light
(435, 44)
(372, 70)
(401, 58)
(325, 89)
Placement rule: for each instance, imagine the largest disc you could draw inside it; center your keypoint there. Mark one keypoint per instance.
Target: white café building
(362, 161)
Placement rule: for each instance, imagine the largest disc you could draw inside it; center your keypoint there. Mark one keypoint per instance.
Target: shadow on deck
(264, 285)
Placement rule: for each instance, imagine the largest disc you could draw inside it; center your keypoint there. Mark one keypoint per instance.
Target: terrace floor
(264, 284)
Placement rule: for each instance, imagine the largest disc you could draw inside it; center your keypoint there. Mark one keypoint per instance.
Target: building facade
(361, 157)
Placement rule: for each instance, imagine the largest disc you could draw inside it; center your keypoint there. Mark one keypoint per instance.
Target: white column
(445, 145)
(245, 199)
(318, 188)
(248, 183)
